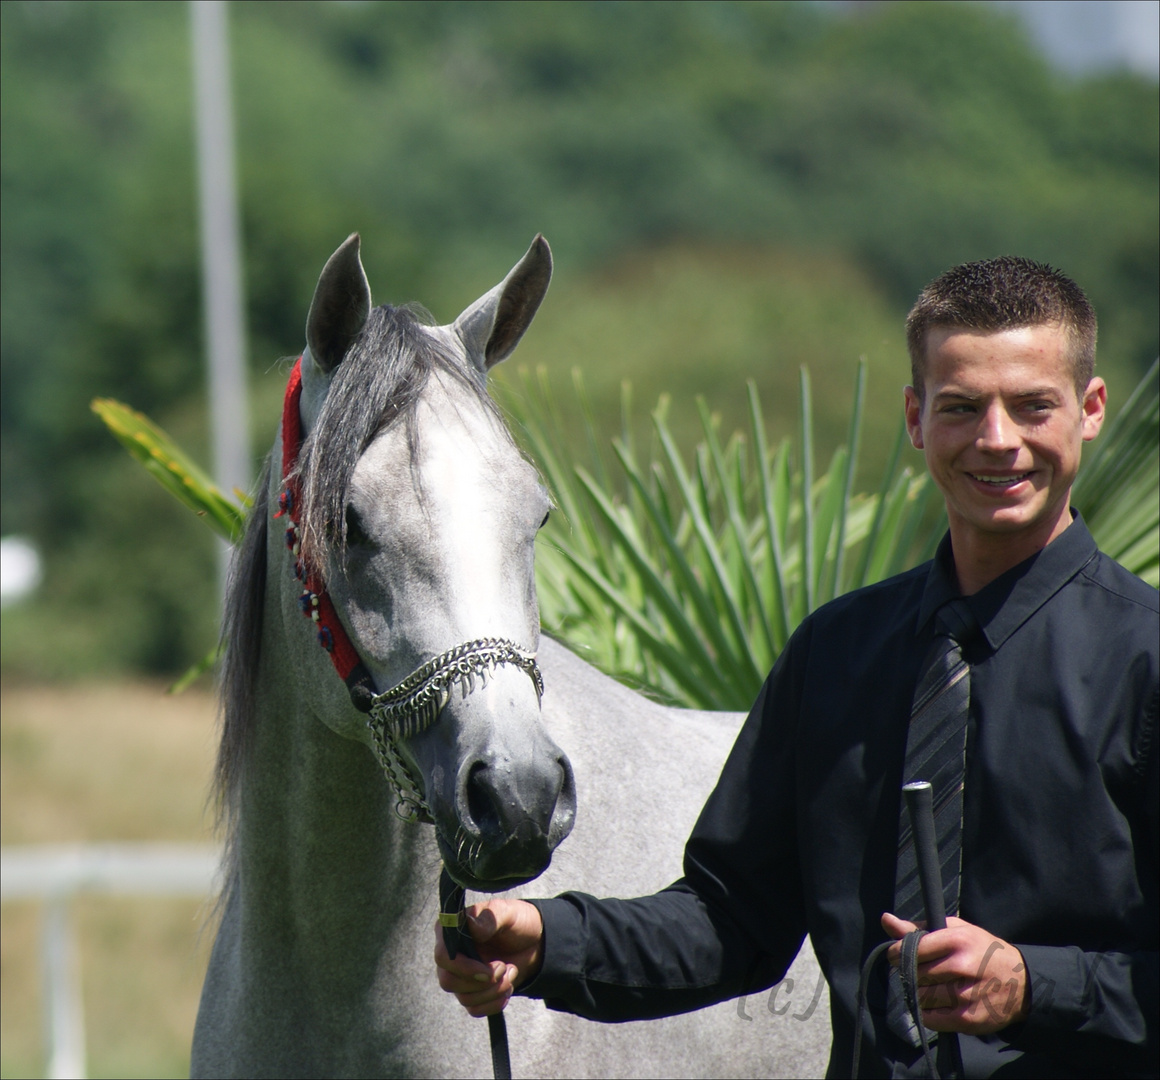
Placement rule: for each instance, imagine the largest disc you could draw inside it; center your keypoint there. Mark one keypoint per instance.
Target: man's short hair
(1003, 294)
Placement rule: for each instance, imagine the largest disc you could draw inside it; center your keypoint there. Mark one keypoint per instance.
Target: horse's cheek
(313, 675)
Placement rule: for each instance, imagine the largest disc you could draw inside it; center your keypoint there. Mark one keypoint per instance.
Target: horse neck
(318, 847)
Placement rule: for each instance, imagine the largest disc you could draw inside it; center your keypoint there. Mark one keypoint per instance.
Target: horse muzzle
(507, 816)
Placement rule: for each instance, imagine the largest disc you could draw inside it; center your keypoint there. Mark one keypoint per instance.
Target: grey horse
(418, 514)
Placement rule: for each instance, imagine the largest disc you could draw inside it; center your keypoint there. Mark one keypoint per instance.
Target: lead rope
(908, 974)
(457, 939)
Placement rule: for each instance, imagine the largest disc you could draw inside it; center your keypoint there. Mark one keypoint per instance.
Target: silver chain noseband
(413, 705)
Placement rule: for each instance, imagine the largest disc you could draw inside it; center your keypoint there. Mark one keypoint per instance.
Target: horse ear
(492, 327)
(341, 304)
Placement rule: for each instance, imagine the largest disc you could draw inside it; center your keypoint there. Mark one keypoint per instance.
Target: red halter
(314, 601)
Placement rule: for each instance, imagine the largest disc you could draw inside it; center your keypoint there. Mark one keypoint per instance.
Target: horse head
(419, 515)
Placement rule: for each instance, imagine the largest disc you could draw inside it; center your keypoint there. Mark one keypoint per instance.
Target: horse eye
(354, 530)
(547, 514)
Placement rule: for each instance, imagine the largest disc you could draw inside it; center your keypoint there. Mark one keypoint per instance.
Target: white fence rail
(54, 874)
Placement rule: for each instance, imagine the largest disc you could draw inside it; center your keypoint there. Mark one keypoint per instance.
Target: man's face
(1002, 429)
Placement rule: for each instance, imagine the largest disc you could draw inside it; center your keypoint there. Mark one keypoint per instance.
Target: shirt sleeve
(731, 926)
(1093, 1007)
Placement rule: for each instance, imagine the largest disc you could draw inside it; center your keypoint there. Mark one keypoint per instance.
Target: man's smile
(1006, 480)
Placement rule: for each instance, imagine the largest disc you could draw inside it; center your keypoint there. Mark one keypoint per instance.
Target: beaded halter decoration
(414, 704)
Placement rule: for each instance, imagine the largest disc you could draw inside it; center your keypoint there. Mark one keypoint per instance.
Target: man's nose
(997, 431)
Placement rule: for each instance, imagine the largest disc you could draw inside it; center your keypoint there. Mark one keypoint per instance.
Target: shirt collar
(1012, 598)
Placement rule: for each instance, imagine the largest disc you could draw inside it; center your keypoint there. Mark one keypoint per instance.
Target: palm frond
(173, 469)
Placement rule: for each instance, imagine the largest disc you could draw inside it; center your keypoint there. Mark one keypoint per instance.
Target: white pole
(220, 248)
(62, 987)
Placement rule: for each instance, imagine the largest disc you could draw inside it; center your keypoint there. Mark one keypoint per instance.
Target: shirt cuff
(562, 949)
(1057, 978)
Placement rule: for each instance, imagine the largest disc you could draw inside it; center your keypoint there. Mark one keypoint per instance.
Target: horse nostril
(481, 802)
(511, 815)
(501, 804)
(564, 808)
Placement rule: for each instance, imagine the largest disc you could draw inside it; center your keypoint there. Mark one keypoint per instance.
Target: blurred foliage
(872, 149)
(1118, 489)
(689, 321)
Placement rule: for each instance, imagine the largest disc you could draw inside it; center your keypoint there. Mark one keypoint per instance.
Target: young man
(1051, 967)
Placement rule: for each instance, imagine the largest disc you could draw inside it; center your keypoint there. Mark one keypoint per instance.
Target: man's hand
(968, 979)
(509, 935)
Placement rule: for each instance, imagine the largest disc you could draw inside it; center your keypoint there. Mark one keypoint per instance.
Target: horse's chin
(514, 863)
(469, 881)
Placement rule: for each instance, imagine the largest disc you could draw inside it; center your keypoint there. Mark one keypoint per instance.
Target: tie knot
(956, 620)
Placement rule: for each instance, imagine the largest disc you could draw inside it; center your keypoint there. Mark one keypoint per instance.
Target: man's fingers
(508, 934)
(506, 925)
(941, 996)
(472, 982)
(462, 967)
(895, 926)
(487, 1005)
(946, 955)
(969, 980)
(489, 999)
(482, 923)
(456, 980)
(469, 988)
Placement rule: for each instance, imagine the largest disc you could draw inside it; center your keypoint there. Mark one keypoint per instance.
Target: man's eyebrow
(957, 395)
(1030, 392)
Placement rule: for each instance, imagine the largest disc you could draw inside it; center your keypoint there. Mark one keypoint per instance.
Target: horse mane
(241, 644)
(377, 384)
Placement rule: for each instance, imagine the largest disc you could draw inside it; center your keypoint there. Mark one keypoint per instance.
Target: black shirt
(800, 835)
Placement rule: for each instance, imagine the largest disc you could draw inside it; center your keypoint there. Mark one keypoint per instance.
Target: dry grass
(96, 762)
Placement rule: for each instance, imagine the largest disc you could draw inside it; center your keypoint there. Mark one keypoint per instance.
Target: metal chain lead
(414, 704)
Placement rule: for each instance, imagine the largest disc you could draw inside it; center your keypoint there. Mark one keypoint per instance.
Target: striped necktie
(936, 748)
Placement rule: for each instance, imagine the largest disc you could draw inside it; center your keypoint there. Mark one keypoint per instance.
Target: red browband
(314, 601)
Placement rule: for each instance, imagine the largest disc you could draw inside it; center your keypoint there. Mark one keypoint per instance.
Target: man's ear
(913, 407)
(491, 328)
(1094, 407)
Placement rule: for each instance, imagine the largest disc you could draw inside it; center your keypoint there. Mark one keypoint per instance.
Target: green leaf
(835, 584)
(715, 571)
(196, 671)
(173, 469)
(1118, 488)
(740, 530)
(807, 491)
(773, 515)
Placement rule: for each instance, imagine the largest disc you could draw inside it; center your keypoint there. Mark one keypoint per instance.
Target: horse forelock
(378, 384)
